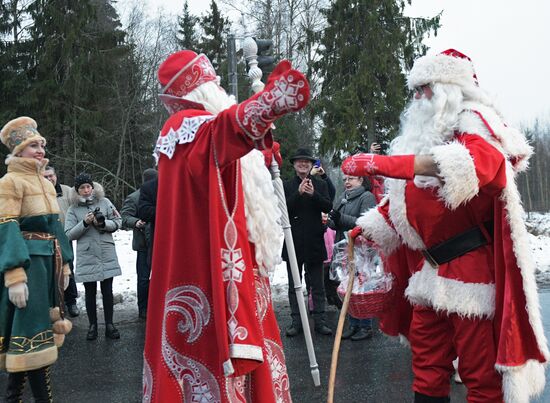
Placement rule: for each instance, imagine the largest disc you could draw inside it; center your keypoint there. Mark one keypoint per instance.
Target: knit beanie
(82, 178)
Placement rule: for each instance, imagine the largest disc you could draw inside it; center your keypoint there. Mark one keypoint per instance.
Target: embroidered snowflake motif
(277, 368)
(350, 167)
(184, 134)
(285, 95)
(232, 265)
(202, 393)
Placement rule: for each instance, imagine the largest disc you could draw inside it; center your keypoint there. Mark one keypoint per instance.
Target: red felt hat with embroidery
(449, 66)
(181, 73)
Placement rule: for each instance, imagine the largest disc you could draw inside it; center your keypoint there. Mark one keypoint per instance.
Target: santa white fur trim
(511, 142)
(262, 212)
(521, 383)
(522, 251)
(442, 69)
(471, 300)
(398, 214)
(377, 229)
(457, 172)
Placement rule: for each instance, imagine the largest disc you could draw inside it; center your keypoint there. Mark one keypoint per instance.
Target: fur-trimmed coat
(96, 258)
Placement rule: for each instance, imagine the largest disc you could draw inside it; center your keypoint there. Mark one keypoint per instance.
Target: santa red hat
(181, 73)
(449, 67)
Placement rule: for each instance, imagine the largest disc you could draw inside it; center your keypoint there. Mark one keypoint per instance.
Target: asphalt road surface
(375, 370)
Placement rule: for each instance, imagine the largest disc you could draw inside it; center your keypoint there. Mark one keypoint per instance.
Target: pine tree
(366, 48)
(187, 35)
(214, 40)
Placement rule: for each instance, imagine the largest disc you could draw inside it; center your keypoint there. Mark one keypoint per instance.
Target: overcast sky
(508, 41)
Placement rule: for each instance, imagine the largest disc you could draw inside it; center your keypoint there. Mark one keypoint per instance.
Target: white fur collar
(510, 141)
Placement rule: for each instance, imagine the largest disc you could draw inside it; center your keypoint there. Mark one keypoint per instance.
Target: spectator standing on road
(147, 211)
(34, 253)
(355, 201)
(91, 221)
(63, 199)
(140, 242)
(306, 198)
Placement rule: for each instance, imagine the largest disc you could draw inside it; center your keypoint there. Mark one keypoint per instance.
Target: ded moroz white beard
(261, 208)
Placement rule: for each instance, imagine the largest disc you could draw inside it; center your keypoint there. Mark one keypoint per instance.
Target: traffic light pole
(232, 65)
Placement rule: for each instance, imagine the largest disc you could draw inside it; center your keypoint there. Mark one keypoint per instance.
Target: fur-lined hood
(76, 200)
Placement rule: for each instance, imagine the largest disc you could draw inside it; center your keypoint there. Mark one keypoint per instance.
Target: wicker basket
(367, 305)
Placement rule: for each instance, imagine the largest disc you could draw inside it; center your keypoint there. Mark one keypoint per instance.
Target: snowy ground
(124, 286)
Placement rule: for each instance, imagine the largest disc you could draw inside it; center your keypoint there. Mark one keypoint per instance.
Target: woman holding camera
(91, 220)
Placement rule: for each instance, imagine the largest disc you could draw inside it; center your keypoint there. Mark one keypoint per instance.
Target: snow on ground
(124, 286)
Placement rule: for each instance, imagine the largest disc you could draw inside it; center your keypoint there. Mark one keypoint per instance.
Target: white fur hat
(450, 67)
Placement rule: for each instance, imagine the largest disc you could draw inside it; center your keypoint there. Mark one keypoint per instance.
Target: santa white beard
(260, 202)
(428, 123)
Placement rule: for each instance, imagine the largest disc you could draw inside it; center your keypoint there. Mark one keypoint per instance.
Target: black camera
(99, 217)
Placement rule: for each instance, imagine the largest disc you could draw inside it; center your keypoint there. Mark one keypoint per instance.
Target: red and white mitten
(355, 232)
(392, 166)
(287, 90)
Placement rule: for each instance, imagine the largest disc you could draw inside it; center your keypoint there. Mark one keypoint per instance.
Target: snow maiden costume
(473, 291)
(211, 331)
(34, 251)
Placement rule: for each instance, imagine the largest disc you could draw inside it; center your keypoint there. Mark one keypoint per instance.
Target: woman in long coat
(355, 201)
(34, 253)
(91, 220)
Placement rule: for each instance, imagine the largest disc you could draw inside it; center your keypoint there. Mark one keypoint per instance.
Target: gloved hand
(394, 166)
(18, 294)
(287, 90)
(274, 151)
(355, 232)
(335, 215)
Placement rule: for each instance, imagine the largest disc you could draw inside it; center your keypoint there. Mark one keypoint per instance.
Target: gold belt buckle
(429, 258)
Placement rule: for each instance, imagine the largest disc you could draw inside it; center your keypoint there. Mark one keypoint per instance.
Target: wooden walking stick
(341, 320)
(255, 73)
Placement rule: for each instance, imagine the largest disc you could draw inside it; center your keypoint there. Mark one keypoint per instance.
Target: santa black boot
(420, 398)
(16, 385)
(39, 379)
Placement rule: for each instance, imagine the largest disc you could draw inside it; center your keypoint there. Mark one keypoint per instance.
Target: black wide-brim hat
(302, 154)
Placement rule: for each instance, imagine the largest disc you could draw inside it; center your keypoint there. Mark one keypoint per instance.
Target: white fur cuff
(377, 229)
(521, 383)
(426, 288)
(457, 172)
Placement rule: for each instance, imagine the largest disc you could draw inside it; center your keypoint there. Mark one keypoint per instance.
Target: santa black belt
(460, 244)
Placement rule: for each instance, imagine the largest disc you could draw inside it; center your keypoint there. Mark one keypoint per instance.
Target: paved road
(377, 370)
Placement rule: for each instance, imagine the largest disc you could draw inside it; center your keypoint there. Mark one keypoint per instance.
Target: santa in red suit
(452, 231)
(211, 333)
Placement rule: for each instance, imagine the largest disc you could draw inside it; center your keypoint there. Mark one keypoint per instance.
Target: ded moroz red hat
(449, 66)
(181, 73)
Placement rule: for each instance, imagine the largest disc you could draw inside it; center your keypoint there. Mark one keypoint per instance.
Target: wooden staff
(341, 320)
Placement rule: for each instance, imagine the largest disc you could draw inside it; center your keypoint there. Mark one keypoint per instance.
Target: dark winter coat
(130, 218)
(304, 213)
(147, 211)
(353, 203)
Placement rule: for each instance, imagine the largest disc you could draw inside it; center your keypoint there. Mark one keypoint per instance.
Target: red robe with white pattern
(211, 332)
(477, 171)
